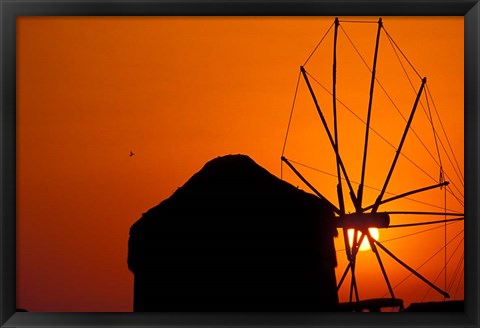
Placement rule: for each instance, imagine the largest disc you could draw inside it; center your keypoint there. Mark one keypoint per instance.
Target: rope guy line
(390, 144)
(462, 278)
(398, 110)
(445, 232)
(291, 114)
(386, 32)
(320, 42)
(385, 140)
(370, 187)
(430, 118)
(428, 260)
(388, 95)
(431, 121)
(394, 45)
(419, 232)
(359, 22)
(457, 270)
(455, 196)
(444, 268)
(434, 132)
(435, 135)
(439, 162)
(373, 130)
(444, 132)
(457, 172)
(353, 113)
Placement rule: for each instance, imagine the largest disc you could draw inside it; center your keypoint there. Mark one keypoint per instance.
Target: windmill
(357, 214)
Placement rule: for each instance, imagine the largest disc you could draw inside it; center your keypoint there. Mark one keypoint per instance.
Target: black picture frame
(10, 10)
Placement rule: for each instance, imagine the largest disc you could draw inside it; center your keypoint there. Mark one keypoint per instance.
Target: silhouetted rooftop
(233, 226)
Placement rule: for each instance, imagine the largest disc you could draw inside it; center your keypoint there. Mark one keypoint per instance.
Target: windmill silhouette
(369, 215)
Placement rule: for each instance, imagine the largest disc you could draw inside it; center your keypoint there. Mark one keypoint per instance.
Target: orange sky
(181, 91)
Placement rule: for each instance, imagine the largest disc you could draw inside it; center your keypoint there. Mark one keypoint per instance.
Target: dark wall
(234, 238)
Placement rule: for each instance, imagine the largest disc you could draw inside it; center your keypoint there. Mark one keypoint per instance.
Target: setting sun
(365, 246)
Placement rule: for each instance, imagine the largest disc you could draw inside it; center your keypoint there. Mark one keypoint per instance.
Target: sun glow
(365, 246)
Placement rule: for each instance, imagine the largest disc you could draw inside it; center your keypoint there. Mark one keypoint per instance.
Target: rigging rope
(385, 140)
(441, 178)
(457, 270)
(445, 237)
(372, 129)
(398, 110)
(394, 45)
(358, 52)
(418, 232)
(291, 114)
(428, 260)
(390, 38)
(444, 269)
(387, 94)
(350, 21)
(449, 189)
(462, 277)
(289, 123)
(446, 137)
(430, 118)
(366, 186)
(318, 44)
(437, 140)
(439, 163)
(431, 122)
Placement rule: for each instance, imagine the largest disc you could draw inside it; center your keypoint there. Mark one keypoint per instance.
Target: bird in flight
(131, 153)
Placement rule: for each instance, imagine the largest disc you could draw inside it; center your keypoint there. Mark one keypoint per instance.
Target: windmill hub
(363, 221)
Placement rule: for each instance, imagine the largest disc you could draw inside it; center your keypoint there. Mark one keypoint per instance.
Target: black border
(10, 9)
